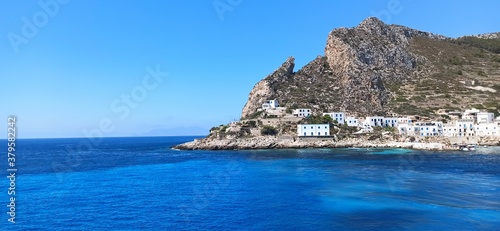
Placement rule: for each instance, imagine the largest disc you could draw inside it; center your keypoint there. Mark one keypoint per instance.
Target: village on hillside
(459, 126)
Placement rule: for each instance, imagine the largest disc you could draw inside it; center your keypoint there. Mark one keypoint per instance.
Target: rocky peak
(287, 67)
(263, 91)
(373, 26)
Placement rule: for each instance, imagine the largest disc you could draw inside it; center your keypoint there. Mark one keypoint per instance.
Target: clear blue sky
(68, 75)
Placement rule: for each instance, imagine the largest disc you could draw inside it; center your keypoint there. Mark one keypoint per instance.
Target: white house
(408, 129)
(404, 120)
(338, 116)
(472, 111)
(270, 104)
(465, 127)
(434, 128)
(390, 122)
(450, 130)
(313, 130)
(485, 117)
(487, 129)
(352, 122)
(375, 121)
(302, 112)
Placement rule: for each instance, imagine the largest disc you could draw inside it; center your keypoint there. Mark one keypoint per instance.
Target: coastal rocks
(271, 142)
(489, 141)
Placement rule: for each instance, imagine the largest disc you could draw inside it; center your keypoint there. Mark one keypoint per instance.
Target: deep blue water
(141, 184)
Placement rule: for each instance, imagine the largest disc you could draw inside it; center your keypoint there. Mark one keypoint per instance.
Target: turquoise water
(141, 184)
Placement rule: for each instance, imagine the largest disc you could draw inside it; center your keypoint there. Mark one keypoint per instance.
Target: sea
(140, 183)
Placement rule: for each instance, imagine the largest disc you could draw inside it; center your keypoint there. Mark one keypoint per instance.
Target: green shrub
(268, 131)
(456, 61)
(313, 119)
(400, 99)
(223, 128)
(255, 114)
(252, 123)
(390, 129)
(492, 45)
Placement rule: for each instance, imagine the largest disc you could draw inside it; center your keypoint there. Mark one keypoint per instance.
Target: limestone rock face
(366, 67)
(366, 57)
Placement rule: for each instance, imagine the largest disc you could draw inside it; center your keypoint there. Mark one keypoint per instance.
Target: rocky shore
(271, 142)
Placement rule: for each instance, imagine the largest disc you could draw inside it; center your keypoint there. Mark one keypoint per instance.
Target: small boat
(464, 148)
(471, 147)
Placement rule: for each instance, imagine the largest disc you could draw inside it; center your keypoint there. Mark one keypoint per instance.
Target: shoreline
(266, 143)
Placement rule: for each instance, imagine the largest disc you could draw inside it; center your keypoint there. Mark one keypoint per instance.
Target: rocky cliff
(375, 68)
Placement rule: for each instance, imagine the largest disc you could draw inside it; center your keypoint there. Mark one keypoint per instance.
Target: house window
(312, 127)
(312, 133)
(305, 134)
(319, 133)
(305, 127)
(326, 133)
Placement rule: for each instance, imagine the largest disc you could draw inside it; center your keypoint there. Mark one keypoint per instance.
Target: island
(377, 85)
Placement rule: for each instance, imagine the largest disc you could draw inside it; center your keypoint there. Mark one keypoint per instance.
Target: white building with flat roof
(408, 129)
(351, 121)
(375, 121)
(390, 122)
(270, 104)
(487, 129)
(465, 127)
(450, 130)
(485, 117)
(338, 116)
(302, 112)
(313, 130)
(434, 128)
(405, 120)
